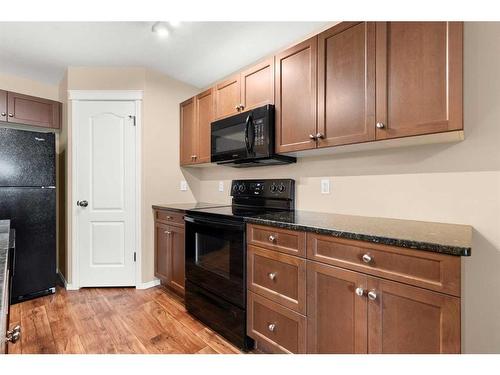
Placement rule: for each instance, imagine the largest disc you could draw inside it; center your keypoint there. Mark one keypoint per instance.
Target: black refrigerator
(28, 199)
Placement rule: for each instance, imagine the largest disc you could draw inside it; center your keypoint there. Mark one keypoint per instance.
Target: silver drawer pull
(367, 258)
(272, 238)
(272, 275)
(167, 232)
(271, 327)
(169, 217)
(360, 291)
(372, 295)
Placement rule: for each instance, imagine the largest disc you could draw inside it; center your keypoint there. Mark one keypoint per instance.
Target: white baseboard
(67, 286)
(149, 284)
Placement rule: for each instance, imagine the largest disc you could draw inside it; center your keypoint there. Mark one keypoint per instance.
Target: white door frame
(75, 96)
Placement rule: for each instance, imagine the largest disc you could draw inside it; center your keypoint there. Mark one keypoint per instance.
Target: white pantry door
(105, 178)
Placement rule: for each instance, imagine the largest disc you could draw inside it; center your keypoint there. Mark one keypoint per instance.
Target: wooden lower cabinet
(336, 320)
(410, 320)
(169, 255)
(349, 312)
(280, 329)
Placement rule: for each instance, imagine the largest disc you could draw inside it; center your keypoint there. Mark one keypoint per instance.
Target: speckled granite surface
(441, 238)
(182, 207)
(4, 256)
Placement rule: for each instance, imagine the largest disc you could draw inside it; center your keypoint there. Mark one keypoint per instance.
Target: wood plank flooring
(112, 320)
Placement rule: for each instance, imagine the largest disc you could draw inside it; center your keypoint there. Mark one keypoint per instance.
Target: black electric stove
(216, 254)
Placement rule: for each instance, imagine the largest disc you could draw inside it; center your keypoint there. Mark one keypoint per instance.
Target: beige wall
(454, 183)
(161, 173)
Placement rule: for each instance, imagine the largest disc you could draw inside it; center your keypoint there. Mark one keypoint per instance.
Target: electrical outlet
(221, 186)
(325, 186)
(184, 185)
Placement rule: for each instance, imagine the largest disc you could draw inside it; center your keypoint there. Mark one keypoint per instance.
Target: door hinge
(132, 118)
(135, 257)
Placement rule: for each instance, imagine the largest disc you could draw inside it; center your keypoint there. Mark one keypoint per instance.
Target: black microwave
(246, 139)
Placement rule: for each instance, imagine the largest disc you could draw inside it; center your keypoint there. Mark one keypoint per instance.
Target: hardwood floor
(112, 320)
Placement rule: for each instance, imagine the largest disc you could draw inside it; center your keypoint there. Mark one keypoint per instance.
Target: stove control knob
(242, 188)
(281, 188)
(273, 188)
(235, 187)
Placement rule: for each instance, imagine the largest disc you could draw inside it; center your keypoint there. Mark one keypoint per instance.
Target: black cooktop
(234, 212)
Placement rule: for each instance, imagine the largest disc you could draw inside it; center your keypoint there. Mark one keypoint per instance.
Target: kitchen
(335, 194)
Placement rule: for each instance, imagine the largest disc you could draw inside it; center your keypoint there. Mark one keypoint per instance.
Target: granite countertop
(4, 257)
(183, 207)
(451, 239)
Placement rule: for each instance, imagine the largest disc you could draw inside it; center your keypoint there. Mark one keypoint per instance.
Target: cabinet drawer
(279, 277)
(283, 330)
(171, 217)
(283, 240)
(425, 269)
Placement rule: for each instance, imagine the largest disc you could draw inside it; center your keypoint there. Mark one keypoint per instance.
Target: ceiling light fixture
(160, 29)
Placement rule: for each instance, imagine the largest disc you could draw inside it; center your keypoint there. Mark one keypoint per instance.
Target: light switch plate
(221, 186)
(184, 185)
(325, 186)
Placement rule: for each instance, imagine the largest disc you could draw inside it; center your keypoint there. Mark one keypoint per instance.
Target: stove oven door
(215, 257)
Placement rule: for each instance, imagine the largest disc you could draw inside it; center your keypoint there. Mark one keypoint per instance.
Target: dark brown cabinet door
(28, 110)
(162, 258)
(419, 78)
(3, 105)
(336, 321)
(204, 117)
(176, 240)
(406, 319)
(296, 95)
(257, 85)
(227, 97)
(346, 84)
(189, 132)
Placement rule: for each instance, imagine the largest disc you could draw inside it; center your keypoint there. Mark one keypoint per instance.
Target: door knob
(380, 125)
(82, 203)
(372, 295)
(367, 258)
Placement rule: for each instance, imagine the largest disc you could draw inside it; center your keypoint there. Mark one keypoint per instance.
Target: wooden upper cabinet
(296, 96)
(419, 78)
(405, 319)
(204, 118)
(29, 110)
(189, 132)
(227, 97)
(3, 105)
(336, 321)
(257, 85)
(346, 84)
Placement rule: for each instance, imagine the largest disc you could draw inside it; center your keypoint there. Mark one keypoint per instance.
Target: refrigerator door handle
(39, 139)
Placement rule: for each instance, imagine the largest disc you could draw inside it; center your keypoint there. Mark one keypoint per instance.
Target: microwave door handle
(249, 139)
(247, 128)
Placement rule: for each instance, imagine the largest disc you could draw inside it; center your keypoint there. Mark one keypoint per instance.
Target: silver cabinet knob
(320, 136)
(14, 335)
(167, 232)
(367, 258)
(82, 203)
(237, 107)
(272, 238)
(312, 137)
(169, 218)
(271, 327)
(380, 125)
(372, 295)
(242, 107)
(3, 114)
(272, 275)
(11, 115)
(360, 291)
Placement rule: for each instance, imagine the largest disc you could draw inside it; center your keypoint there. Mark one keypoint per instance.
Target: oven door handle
(217, 223)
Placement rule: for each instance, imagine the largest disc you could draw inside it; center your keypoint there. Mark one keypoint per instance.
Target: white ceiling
(198, 53)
